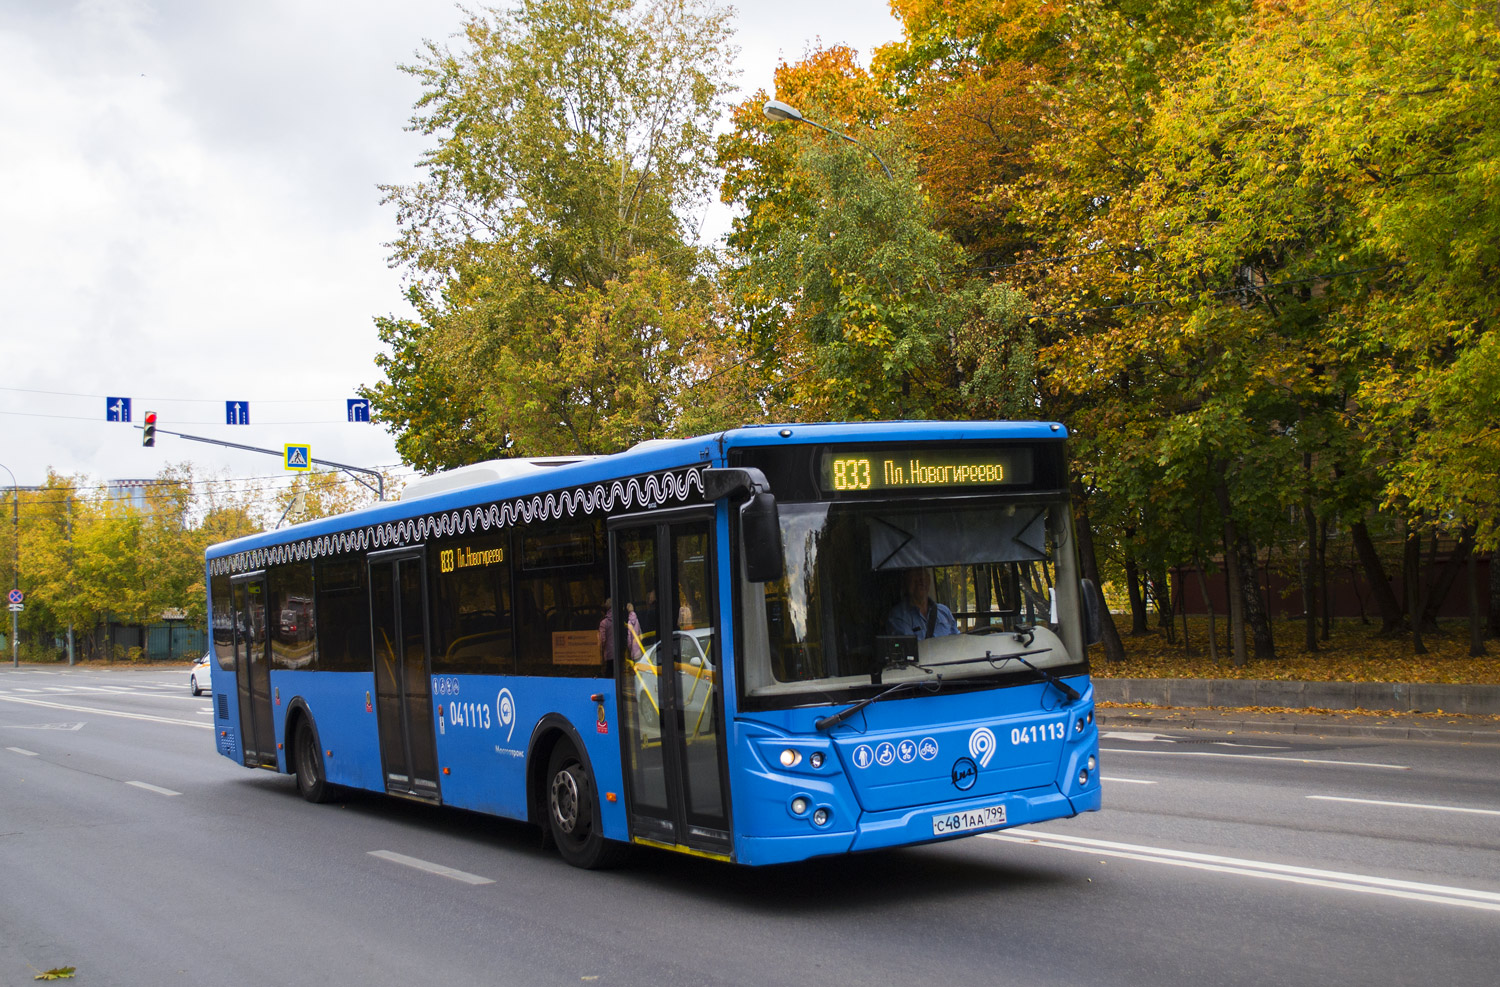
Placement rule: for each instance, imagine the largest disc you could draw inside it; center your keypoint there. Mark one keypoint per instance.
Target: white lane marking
(1257, 747)
(153, 788)
(1265, 870)
(1126, 781)
(1261, 757)
(429, 867)
(45, 726)
(1408, 805)
(107, 712)
(23, 751)
(1139, 738)
(19, 689)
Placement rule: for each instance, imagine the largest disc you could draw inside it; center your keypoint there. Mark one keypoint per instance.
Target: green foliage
(550, 242)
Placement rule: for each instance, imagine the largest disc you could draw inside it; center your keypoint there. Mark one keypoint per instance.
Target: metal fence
(174, 641)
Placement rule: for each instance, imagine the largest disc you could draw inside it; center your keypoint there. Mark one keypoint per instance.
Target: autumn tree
(550, 245)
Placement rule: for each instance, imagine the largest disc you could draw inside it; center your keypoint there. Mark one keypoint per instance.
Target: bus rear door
(252, 666)
(403, 683)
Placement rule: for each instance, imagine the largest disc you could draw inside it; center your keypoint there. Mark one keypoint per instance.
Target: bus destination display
(923, 469)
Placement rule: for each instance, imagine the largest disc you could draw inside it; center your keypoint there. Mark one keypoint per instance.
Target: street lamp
(15, 568)
(776, 110)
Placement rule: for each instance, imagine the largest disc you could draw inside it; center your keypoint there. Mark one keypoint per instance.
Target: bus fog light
(1083, 777)
(815, 759)
(1078, 725)
(1093, 762)
(790, 758)
(821, 817)
(799, 805)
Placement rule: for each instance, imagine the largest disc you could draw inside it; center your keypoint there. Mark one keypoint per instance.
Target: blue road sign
(294, 457)
(359, 410)
(236, 412)
(117, 409)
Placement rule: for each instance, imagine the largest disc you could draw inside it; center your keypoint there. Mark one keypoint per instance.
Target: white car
(201, 678)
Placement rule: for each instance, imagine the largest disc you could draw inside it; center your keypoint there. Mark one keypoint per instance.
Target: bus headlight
(820, 818)
(1083, 777)
(1093, 762)
(815, 759)
(790, 758)
(799, 805)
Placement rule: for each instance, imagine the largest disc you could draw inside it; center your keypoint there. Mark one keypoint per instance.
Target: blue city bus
(770, 644)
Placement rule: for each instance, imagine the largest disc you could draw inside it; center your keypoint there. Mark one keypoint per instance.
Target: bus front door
(668, 681)
(403, 689)
(252, 666)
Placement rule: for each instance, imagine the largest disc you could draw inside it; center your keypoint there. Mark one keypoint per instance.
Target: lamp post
(776, 110)
(15, 566)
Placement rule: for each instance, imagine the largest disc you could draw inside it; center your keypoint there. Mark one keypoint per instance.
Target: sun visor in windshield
(902, 541)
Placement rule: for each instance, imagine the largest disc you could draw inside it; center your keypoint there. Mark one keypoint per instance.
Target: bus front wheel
(573, 812)
(312, 782)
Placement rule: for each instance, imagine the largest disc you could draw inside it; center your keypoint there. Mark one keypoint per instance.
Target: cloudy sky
(188, 215)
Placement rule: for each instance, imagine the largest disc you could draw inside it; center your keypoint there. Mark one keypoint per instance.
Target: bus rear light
(799, 805)
(821, 817)
(790, 758)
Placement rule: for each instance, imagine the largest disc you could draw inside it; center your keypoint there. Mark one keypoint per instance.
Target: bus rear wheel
(312, 782)
(573, 816)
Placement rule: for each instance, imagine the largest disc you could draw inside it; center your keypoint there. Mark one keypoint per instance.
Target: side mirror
(760, 524)
(760, 530)
(1093, 603)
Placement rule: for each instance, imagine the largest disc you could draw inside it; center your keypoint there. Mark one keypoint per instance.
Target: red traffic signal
(148, 432)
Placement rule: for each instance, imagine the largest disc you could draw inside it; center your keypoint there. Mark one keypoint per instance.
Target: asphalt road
(131, 850)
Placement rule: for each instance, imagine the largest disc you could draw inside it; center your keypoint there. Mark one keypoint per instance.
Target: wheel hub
(565, 800)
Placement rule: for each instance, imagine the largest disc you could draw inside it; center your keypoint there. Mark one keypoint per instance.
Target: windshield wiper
(1073, 694)
(844, 714)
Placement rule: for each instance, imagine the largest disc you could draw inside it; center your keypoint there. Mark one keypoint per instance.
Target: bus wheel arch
(304, 757)
(558, 767)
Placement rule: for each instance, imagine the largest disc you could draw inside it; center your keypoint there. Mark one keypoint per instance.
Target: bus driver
(918, 615)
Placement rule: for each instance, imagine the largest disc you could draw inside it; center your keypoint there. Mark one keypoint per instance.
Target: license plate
(969, 819)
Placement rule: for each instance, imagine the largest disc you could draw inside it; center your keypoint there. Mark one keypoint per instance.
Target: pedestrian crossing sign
(296, 457)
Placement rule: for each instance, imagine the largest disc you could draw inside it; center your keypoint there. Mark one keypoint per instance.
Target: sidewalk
(1401, 711)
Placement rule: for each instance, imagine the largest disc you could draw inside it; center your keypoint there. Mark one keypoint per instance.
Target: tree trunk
(1137, 599)
(1114, 648)
(1233, 576)
(1208, 603)
(1443, 584)
(1494, 620)
(1323, 582)
(1385, 597)
(1256, 611)
(1310, 565)
(1476, 621)
(1411, 570)
(1187, 644)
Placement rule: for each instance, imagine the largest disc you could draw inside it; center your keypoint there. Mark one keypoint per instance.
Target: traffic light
(148, 432)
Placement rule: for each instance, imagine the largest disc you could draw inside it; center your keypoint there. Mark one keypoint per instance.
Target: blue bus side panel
(486, 725)
(346, 725)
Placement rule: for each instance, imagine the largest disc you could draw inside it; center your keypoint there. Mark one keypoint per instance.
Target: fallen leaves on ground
(1355, 653)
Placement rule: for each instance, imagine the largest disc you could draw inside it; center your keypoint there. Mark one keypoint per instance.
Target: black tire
(573, 819)
(312, 782)
(193, 681)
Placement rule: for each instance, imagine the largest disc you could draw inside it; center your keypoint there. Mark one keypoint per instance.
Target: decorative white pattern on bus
(642, 493)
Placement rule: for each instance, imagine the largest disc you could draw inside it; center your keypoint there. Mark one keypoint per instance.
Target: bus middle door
(668, 682)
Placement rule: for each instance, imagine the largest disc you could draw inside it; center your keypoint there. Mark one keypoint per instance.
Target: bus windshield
(876, 593)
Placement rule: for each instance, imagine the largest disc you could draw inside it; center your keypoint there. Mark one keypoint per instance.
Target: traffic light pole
(378, 486)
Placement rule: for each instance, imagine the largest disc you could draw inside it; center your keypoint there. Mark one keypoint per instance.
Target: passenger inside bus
(918, 615)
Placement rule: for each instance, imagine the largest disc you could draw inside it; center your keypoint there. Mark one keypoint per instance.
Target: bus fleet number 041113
(1038, 733)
